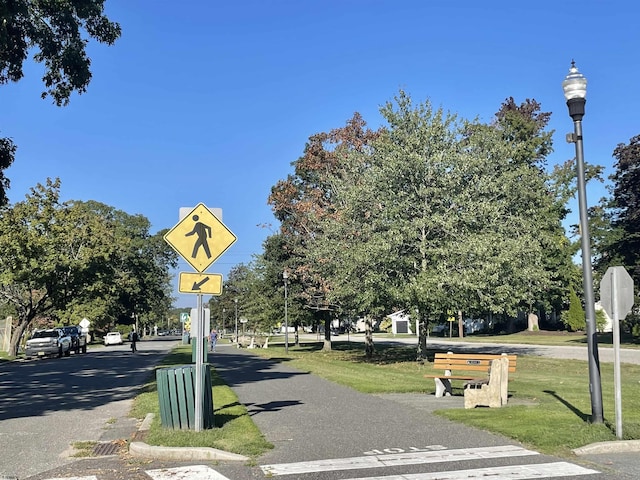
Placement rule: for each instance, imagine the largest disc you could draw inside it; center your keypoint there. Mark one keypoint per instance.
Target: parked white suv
(52, 341)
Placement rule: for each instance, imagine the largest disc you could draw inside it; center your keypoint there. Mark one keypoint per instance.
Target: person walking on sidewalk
(133, 338)
(213, 339)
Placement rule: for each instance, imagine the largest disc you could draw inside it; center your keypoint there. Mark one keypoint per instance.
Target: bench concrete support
(493, 393)
(443, 387)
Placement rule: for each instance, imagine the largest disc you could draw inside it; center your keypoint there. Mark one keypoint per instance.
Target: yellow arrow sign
(204, 283)
(200, 238)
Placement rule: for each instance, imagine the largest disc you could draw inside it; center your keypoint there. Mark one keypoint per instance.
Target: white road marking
(409, 458)
(90, 477)
(194, 472)
(511, 472)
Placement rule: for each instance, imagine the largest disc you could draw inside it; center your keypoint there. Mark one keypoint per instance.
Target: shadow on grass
(583, 416)
(221, 419)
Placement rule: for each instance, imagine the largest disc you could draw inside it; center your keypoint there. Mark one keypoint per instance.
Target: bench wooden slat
(470, 362)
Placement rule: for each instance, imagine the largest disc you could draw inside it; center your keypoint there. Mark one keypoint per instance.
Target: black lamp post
(285, 277)
(575, 92)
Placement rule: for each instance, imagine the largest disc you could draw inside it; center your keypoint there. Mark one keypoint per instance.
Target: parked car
(51, 341)
(78, 338)
(113, 338)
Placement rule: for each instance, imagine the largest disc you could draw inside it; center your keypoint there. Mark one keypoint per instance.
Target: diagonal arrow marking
(198, 285)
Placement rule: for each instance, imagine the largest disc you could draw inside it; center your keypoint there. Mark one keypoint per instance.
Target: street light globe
(574, 84)
(285, 275)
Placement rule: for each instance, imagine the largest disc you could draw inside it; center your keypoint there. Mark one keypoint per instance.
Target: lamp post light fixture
(575, 92)
(285, 277)
(236, 302)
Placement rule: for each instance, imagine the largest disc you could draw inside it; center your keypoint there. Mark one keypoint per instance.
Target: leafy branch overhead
(58, 31)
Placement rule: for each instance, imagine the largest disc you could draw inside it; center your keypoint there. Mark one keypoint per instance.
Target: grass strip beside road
(549, 404)
(549, 407)
(235, 431)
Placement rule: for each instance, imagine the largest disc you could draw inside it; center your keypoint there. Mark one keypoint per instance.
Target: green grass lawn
(550, 401)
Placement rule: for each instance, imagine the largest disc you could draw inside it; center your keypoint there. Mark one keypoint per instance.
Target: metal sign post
(199, 398)
(616, 297)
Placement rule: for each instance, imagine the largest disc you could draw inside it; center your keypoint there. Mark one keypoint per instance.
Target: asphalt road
(48, 404)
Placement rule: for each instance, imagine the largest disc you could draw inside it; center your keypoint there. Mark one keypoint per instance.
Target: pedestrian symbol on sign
(204, 233)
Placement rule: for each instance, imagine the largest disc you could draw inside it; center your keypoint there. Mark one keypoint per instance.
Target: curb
(143, 450)
(621, 446)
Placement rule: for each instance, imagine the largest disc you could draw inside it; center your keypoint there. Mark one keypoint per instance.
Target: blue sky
(210, 101)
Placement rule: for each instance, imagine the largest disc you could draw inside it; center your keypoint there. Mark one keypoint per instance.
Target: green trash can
(176, 395)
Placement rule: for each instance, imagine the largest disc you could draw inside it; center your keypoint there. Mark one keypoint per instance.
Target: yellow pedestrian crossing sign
(200, 238)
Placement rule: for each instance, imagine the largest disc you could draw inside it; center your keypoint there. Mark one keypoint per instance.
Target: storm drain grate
(106, 448)
(138, 436)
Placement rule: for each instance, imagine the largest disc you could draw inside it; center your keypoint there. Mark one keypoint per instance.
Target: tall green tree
(574, 318)
(47, 251)
(304, 201)
(139, 265)
(626, 205)
(442, 218)
(64, 260)
(7, 156)
(59, 32)
(617, 220)
(524, 128)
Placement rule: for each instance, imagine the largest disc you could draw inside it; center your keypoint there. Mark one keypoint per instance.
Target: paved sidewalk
(310, 419)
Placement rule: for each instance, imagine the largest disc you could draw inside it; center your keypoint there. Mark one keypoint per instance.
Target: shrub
(574, 318)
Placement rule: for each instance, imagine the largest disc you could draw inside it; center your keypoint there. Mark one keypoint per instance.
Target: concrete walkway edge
(620, 446)
(143, 450)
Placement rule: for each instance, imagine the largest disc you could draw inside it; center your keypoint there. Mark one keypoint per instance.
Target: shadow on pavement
(41, 386)
(244, 367)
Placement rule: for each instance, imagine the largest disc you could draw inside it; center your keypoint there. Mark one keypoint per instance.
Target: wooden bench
(474, 365)
(492, 392)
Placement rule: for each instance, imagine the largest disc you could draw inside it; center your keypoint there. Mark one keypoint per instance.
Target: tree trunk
(369, 348)
(423, 328)
(327, 333)
(460, 324)
(16, 335)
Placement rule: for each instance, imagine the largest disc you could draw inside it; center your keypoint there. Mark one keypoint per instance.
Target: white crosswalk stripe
(511, 472)
(194, 472)
(395, 459)
(90, 477)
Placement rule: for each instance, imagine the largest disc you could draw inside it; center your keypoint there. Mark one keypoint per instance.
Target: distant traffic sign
(204, 283)
(616, 292)
(200, 238)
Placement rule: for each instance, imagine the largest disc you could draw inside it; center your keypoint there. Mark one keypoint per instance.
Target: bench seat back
(471, 362)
